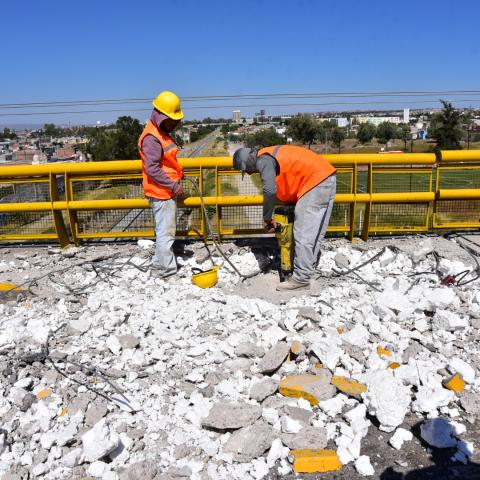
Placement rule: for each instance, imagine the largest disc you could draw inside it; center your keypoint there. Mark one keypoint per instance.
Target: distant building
(376, 120)
(237, 116)
(341, 122)
(406, 115)
(262, 113)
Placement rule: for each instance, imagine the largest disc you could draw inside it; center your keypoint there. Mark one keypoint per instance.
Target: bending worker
(294, 175)
(161, 177)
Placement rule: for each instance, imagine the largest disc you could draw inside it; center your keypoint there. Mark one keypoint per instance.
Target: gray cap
(244, 159)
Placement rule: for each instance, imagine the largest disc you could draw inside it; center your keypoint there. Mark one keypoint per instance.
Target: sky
(117, 49)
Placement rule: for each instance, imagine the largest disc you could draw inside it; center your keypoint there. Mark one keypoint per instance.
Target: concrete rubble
(108, 373)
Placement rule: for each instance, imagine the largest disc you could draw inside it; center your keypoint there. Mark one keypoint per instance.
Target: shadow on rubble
(442, 469)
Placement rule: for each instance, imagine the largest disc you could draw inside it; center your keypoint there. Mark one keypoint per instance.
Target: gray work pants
(312, 214)
(165, 213)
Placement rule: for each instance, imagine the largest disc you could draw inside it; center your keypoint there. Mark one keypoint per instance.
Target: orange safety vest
(168, 163)
(300, 170)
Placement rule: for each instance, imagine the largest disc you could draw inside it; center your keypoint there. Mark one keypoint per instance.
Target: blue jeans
(165, 213)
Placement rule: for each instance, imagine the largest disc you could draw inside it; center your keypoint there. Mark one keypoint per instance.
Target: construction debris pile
(123, 376)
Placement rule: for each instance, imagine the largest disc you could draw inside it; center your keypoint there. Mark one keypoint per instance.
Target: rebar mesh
(459, 178)
(386, 182)
(398, 216)
(457, 211)
(25, 192)
(26, 223)
(344, 181)
(241, 218)
(107, 189)
(340, 215)
(234, 185)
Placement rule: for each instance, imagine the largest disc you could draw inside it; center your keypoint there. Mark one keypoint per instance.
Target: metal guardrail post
(72, 214)
(57, 214)
(368, 206)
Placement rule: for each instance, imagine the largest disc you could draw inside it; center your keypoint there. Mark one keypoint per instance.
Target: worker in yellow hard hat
(162, 175)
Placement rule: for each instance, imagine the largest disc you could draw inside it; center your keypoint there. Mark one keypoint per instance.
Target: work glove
(269, 226)
(180, 192)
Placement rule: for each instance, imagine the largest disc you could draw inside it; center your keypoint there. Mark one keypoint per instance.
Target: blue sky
(107, 49)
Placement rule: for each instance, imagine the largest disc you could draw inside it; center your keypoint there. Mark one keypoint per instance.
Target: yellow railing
(376, 194)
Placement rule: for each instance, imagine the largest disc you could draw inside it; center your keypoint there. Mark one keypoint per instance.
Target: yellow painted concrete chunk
(63, 412)
(319, 365)
(308, 386)
(311, 461)
(383, 352)
(455, 383)
(44, 393)
(5, 287)
(394, 365)
(348, 386)
(296, 347)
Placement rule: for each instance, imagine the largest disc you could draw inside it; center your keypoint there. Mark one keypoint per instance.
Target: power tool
(283, 219)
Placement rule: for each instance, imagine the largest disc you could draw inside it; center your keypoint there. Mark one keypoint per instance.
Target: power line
(68, 103)
(256, 105)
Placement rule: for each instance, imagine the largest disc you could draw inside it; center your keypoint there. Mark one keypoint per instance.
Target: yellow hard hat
(169, 104)
(205, 279)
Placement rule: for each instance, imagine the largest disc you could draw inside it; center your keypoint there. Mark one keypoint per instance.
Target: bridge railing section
(376, 194)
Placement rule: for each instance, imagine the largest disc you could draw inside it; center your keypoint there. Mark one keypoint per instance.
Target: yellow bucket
(205, 279)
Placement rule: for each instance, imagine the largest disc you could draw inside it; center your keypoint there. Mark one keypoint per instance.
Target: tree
(338, 136)
(385, 132)
(117, 142)
(49, 130)
(127, 132)
(366, 132)
(263, 138)
(403, 133)
(446, 127)
(8, 134)
(303, 128)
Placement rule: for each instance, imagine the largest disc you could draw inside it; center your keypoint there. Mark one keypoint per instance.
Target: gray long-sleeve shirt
(153, 154)
(268, 169)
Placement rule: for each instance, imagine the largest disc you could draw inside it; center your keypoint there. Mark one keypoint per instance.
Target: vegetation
(263, 138)
(338, 136)
(403, 133)
(446, 127)
(7, 135)
(201, 132)
(366, 132)
(117, 142)
(303, 128)
(385, 132)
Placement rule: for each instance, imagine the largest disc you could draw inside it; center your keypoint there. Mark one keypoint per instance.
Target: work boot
(292, 284)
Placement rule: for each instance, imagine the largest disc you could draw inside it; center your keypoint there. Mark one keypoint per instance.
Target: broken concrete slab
(261, 390)
(274, 358)
(249, 350)
(313, 388)
(249, 442)
(99, 441)
(224, 415)
(307, 437)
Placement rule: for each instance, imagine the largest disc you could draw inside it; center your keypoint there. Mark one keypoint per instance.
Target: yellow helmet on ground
(205, 279)
(169, 104)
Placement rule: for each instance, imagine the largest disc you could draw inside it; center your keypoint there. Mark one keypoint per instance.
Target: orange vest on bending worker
(168, 163)
(300, 170)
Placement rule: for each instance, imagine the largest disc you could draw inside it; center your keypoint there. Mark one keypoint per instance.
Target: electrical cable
(248, 96)
(210, 233)
(256, 105)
